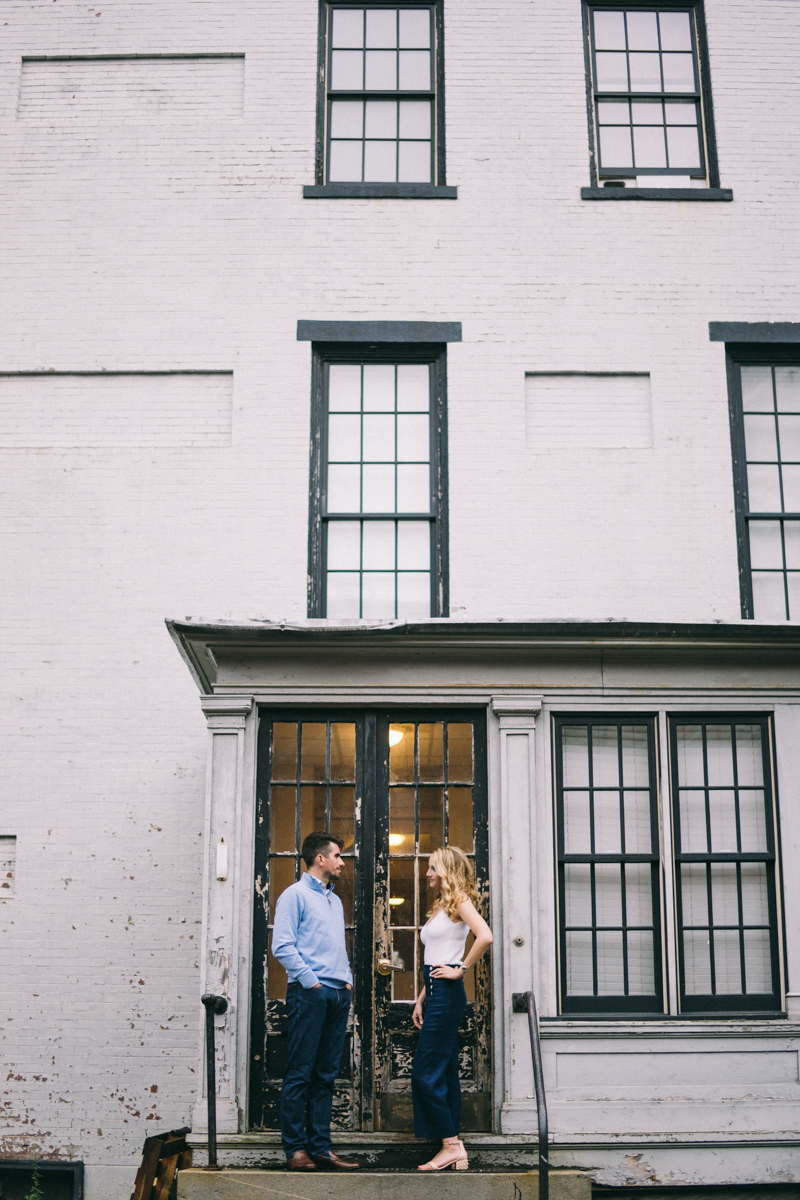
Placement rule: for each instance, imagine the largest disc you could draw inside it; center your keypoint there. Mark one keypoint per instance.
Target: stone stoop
(199, 1184)
(375, 1151)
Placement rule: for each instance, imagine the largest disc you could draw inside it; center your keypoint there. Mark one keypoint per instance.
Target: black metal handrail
(524, 1002)
(214, 1006)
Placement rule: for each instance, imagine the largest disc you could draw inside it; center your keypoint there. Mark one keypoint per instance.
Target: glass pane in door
(433, 786)
(309, 785)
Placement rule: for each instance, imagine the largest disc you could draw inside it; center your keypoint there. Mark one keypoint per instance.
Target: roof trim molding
(445, 629)
(200, 642)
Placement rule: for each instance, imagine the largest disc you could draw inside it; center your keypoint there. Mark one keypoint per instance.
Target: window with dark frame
(725, 864)
(378, 496)
(381, 114)
(764, 393)
(608, 865)
(650, 97)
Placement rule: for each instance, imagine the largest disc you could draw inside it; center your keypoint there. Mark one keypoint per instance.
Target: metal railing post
(214, 1005)
(524, 1002)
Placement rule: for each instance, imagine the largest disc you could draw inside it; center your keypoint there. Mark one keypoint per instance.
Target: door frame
(363, 847)
(522, 897)
(372, 779)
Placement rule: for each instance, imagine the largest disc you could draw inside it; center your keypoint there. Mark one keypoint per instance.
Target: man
(308, 939)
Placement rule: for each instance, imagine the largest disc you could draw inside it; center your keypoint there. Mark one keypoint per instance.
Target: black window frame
(624, 1007)
(73, 1169)
(710, 169)
(435, 189)
(726, 1006)
(738, 355)
(323, 355)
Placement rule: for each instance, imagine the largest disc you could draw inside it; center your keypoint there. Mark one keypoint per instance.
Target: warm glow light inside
(396, 839)
(395, 900)
(395, 736)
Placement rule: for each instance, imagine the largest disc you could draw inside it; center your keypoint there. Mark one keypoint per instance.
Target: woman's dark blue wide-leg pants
(435, 1089)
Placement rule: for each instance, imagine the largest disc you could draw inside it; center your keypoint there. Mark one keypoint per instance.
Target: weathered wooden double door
(394, 787)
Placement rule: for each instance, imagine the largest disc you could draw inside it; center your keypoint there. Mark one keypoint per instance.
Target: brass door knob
(385, 966)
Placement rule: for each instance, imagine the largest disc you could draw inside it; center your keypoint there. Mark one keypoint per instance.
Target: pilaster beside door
(522, 826)
(227, 718)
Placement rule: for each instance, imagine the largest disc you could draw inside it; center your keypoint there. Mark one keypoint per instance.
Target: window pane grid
(378, 480)
(431, 777)
(725, 864)
(312, 788)
(387, 55)
(771, 422)
(608, 867)
(646, 89)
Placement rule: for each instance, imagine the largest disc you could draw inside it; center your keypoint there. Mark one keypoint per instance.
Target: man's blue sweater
(308, 934)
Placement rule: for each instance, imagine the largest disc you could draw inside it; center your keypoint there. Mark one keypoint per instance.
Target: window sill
(378, 191)
(776, 1025)
(640, 193)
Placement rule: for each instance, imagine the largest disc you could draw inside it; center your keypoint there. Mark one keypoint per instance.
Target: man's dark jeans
(317, 1024)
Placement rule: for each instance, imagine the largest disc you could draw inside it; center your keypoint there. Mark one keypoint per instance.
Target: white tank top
(444, 940)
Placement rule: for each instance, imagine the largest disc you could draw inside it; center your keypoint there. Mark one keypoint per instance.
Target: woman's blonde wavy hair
(458, 881)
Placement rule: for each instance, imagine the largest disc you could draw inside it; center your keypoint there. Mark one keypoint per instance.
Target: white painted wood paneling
(679, 1068)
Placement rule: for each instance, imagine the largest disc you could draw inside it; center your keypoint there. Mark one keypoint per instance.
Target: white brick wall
(44, 411)
(588, 411)
(100, 90)
(139, 244)
(8, 866)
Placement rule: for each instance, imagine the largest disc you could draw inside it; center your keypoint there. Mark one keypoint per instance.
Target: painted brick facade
(143, 238)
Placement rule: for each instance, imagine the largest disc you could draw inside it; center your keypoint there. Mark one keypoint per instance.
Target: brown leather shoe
(332, 1162)
(300, 1162)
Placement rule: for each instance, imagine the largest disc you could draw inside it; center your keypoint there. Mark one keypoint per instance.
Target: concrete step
(375, 1151)
(742, 1191)
(366, 1185)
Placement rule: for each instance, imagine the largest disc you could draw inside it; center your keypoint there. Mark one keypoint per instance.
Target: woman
(434, 1080)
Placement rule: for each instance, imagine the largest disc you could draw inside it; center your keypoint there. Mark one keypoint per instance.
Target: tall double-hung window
(609, 885)
(651, 114)
(618, 941)
(725, 863)
(380, 124)
(378, 536)
(765, 422)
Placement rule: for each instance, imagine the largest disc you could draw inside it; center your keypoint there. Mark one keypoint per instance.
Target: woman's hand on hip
(416, 1015)
(441, 971)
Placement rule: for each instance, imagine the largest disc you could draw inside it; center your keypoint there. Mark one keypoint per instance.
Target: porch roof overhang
(205, 645)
